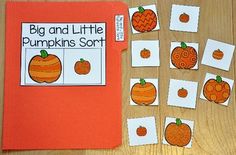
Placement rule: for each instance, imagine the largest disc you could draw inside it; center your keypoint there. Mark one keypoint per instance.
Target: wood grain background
(214, 130)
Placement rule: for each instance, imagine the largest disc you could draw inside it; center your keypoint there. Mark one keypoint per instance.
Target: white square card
(218, 54)
(144, 19)
(178, 132)
(217, 89)
(144, 92)
(184, 18)
(182, 93)
(142, 131)
(145, 53)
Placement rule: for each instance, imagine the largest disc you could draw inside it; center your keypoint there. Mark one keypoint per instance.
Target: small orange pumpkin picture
(45, 68)
(141, 131)
(216, 90)
(184, 57)
(178, 133)
(218, 54)
(145, 53)
(143, 93)
(82, 67)
(184, 18)
(144, 20)
(182, 92)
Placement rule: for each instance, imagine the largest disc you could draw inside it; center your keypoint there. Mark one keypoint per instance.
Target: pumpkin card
(184, 18)
(144, 92)
(144, 19)
(182, 93)
(142, 131)
(178, 132)
(184, 55)
(218, 54)
(217, 89)
(145, 53)
(63, 75)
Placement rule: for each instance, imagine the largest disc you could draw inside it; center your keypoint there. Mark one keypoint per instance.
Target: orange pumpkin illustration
(82, 67)
(178, 133)
(182, 93)
(143, 93)
(216, 90)
(218, 54)
(145, 53)
(45, 68)
(144, 20)
(141, 131)
(184, 57)
(184, 18)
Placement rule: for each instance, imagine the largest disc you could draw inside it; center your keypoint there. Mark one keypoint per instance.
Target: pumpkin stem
(183, 45)
(44, 53)
(141, 9)
(218, 79)
(142, 82)
(82, 60)
(178, 121)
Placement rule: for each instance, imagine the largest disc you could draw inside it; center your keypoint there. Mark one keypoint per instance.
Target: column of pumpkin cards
(219, 55)
(143, 92)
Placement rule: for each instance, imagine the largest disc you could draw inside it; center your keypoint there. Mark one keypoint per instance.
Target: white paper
(69, 42)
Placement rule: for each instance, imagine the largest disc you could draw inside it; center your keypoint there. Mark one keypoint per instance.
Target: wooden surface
(214, 129)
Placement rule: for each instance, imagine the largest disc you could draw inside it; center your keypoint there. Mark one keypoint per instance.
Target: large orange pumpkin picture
(178, 133)
(45, 68)
(144, 20)
(216, 90)
(143, 93)
(184, 57)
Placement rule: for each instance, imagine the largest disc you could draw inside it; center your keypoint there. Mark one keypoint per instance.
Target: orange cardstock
(62, 117)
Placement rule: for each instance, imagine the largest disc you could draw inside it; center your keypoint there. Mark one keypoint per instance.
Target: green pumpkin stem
(218, 79)
(178, 121)
(183, 45)
(44, 53)
(82, 60)
(142, 82)
(141, 9)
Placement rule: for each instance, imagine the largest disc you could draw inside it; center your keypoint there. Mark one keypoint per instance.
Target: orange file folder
(67, 115)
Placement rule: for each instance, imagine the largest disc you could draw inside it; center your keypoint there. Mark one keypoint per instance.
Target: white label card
(63, 54)
(119, 28)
